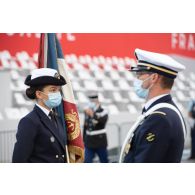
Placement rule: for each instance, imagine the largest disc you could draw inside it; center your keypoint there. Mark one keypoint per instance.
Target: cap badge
(57, 76)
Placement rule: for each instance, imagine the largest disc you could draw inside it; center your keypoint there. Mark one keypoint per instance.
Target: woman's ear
(39, 95)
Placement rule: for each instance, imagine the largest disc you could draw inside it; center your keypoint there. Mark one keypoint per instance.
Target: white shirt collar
(151, 101)
(43, 109)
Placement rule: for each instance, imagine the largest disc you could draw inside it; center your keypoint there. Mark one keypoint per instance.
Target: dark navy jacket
(159, 139)
(38, 140)
(95, 123)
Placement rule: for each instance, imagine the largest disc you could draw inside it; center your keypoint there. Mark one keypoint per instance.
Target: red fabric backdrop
(107, 44)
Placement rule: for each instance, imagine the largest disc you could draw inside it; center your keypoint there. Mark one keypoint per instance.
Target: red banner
(106, 44)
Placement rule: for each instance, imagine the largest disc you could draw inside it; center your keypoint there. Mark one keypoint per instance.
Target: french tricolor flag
(51, 56)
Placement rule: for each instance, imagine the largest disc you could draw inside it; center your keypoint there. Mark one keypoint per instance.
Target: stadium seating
(1, 116)
(107, 75)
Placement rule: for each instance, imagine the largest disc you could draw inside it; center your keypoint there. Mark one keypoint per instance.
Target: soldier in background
(94, 133)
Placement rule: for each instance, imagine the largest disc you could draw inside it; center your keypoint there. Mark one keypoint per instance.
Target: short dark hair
(166, 83)
(31, 91)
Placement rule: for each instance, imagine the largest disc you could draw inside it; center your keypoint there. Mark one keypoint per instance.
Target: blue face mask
(92, 105)
(139, 90)
(54, 100)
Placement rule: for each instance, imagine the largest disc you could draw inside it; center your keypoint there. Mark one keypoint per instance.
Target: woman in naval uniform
(40, 136)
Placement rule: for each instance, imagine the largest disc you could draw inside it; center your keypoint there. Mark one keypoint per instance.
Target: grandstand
(114, 85)
(106, 74)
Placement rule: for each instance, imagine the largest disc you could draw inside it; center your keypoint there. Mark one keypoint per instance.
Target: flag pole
(67, 154)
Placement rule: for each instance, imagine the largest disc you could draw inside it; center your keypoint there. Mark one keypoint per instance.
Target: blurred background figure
(94, 133)
(192, 117)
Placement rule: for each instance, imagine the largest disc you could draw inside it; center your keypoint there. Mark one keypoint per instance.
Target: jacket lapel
(47, 122)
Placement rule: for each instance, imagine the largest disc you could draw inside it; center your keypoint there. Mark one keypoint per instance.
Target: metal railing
(115, 136)
(7, 141)
(115, 132)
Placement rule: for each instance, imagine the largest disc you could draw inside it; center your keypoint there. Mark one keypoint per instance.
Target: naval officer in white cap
(158, 134)
(40, 136)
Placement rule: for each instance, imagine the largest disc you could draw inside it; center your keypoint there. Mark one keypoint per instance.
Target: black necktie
(143, 110)
(53, 118)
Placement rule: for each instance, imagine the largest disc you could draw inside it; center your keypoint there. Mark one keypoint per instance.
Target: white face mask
(139, 90)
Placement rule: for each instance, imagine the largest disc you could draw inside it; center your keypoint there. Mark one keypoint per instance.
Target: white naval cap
(44, 76)
(156, 62)
(43, 72)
